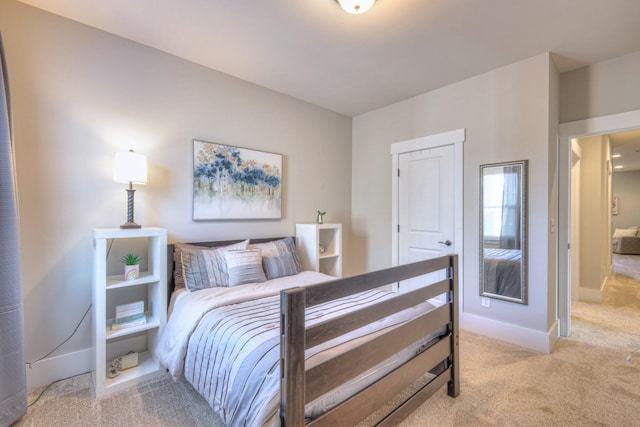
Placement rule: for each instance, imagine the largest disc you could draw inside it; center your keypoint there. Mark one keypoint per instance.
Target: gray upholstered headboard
(171, 263)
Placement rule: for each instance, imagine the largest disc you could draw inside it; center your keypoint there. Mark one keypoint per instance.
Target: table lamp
(132, 168)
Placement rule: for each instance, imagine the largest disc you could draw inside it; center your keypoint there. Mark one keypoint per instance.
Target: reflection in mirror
(503, 239)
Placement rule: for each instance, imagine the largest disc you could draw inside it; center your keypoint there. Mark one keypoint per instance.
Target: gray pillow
(279, 266)
(202, 267)
(278, 248)
(244, 266)
(178, 269)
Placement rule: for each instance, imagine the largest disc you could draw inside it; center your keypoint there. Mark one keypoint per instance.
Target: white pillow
(624, 233)
(244, 266)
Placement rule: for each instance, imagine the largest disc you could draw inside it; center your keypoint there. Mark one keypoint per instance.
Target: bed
(310, 349)
(502, 272)
(625, 241)
(626, 245)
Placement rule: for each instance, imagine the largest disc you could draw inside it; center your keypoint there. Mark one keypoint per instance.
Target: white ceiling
(627, 145)
(351, 64)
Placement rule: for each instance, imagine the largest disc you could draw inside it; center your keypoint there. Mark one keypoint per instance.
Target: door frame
(566, 133)
(455, 138)
(576, 158)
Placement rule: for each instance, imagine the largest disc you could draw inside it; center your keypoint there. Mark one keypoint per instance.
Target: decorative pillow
(279, 266)
(244, 266)
(199, 267)
(277, 248)
(624, 233)
(178, 269)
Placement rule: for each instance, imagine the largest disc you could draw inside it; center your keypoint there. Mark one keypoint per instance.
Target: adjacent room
(605, 265)
(376, 212)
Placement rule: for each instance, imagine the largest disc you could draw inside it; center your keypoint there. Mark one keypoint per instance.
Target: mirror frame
(485, 291)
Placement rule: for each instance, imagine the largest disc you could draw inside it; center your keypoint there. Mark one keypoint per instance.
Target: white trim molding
(431, 141)
(542, 342)
(55, 368)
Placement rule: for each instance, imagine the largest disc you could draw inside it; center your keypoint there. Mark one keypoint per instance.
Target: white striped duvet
(232, 356)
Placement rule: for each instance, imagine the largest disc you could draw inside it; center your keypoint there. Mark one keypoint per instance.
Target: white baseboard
(54, 368)
(542, 342)
(593, 295)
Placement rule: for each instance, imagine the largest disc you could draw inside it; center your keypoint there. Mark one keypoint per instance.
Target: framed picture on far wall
(235, 183)
(614, 205)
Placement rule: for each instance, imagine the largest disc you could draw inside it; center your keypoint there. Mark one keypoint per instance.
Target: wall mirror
(503, 225)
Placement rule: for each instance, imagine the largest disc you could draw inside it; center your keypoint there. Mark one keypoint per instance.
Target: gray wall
(80, 95)
(604, 88)
(507, 114)
(625, 187)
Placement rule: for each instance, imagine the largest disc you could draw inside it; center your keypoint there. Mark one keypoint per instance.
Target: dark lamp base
(130, 225)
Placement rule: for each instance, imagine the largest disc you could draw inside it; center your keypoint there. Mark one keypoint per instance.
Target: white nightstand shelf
(110, 290)
(310, 237)
(147, 368)
(117, 280)
(152, 323)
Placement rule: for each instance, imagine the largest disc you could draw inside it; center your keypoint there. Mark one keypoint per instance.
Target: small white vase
(131, 272)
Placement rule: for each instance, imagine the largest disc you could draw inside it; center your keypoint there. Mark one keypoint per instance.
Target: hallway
(614, 323)
(622, 291)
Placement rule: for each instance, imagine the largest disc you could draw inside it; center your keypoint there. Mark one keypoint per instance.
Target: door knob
(446, 243)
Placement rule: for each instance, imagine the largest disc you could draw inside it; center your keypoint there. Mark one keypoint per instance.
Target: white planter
(131, 272)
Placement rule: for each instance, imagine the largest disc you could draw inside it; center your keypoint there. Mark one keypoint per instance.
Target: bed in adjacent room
(266, 343)
(502, 271)
(625, 241)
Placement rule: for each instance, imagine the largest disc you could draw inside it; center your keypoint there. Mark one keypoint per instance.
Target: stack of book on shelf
(128, 315)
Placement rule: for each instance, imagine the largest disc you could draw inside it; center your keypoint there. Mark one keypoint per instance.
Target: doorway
(429, 151)
(567, 133)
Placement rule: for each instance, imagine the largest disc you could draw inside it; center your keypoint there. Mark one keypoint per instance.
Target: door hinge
(398, 228)
(398, 171)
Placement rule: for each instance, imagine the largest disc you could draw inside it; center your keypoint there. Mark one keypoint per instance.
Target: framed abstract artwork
(235, 183)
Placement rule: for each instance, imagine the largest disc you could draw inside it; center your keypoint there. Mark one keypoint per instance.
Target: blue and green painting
(235, 183)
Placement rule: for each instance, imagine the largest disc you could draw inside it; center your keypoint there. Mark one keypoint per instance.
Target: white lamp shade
(356, 7)
(130, 167)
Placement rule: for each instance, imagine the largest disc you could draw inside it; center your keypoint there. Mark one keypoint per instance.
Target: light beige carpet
(623, 290)
(627, 265)
(586, 381)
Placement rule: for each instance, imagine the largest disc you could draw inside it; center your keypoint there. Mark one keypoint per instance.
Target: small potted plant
(320, 217)
(131, 266)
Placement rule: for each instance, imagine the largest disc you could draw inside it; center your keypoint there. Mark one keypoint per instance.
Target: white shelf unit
(109, 290)
(309, 237)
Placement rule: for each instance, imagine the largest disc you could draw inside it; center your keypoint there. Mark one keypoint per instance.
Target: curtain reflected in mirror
(503, 244)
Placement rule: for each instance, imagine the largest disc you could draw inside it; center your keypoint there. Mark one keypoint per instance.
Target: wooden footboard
(300, 385)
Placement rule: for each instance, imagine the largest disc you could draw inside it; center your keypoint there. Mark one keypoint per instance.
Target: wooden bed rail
(441, 359)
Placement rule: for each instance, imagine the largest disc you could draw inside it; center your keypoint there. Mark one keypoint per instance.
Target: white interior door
(425, 207)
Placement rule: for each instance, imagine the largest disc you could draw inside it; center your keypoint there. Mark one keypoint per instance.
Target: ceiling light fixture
(356, 7)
